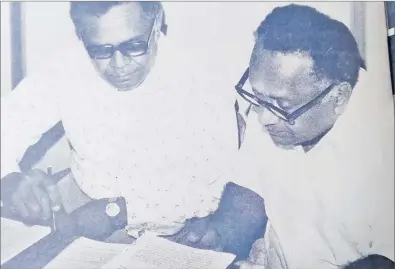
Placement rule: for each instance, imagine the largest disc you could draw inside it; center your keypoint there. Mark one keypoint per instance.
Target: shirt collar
(307, 146)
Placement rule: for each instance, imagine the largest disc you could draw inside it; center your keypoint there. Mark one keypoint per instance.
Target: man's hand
(257, 258)
(92, 220)
(31, 195)
(240, 219)
(265, 253)
(372, 261)
(248, 265)
(237, 223)
(198, 233)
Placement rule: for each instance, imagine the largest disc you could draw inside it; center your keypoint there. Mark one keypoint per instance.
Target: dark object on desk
(91, 221)
(37, 151)
(41, 253)
(94, 222)
(392, 57)
(373, 261)
(390, 14)
(390, 10)
(243, 219)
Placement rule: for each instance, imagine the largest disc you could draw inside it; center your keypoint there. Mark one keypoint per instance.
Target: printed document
(150, 251)
(85, 253)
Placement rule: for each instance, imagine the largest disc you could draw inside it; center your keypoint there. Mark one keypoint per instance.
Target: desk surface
(45, 250)
(41, 253)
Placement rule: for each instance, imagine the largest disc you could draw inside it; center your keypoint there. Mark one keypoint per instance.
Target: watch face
(112, 209)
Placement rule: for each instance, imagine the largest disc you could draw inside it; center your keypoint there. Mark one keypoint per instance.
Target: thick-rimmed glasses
(133, 48)
(286, 116)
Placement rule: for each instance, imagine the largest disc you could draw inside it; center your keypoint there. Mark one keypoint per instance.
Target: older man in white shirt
(317, 154)
(138, 127)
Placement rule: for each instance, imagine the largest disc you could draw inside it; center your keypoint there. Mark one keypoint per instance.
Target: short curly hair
(331, 45)
(78, 10)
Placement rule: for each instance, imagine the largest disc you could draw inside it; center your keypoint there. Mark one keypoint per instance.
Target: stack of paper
(16, 237)
(154, 252)
(148, 251)
(85, 253)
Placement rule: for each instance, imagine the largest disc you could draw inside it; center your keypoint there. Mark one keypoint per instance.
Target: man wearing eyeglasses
(136, 129)
(319, 149)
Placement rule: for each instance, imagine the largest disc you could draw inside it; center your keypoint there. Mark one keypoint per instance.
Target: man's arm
(372, 261)
(240, 219)
(26, 113)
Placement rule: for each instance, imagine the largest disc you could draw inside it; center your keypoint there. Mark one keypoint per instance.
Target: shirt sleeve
(26, 113)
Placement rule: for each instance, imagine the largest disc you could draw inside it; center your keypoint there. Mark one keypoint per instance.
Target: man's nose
(120, 60)
(265, 117)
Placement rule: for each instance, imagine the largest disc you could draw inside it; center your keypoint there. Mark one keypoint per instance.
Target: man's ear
(255, 36)
(343, 94)
(158, 24)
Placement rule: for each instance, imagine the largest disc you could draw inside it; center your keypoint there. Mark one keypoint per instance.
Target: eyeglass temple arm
(163, 29)
(312, 103)
(243, 79)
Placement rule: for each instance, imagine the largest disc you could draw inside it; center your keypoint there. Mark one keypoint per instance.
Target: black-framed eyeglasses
(133, 48)
(286, 116)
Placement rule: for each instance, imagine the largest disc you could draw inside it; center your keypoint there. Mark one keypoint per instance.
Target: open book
(149, 251)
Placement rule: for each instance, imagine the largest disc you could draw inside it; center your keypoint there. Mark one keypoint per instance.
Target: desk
(41, 253)
(90, 221)
(44, 251)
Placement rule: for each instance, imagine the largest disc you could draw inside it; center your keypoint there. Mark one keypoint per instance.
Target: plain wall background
(5, 48)
(223, 29)
(211, 29)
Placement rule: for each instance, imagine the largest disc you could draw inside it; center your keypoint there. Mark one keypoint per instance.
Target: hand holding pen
(55, 199)
(32, 196)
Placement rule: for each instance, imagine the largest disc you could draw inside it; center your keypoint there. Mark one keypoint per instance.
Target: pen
(53, 208)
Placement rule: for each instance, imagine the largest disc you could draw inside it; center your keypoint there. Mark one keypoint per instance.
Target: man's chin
(125, 84)
(286, 147)
(282, 143)
(124, 87)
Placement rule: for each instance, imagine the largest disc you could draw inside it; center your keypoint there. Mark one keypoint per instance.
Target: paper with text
(154, 252)
(16, 237)
(85, 253)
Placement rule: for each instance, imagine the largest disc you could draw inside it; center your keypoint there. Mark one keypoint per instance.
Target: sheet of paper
(16, 237)
(85, 253)
(154, 252)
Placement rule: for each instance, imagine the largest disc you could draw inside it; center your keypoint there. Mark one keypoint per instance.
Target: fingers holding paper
(198, 233)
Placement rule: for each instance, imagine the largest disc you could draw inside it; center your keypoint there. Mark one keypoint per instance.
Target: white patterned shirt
(164, 146)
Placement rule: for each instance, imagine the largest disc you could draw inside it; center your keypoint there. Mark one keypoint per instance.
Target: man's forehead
(131, 11)
(281, 71)
(286, 65)
(292, 64)
(120, 22)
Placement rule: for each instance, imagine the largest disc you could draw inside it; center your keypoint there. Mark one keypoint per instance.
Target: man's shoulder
(63, 63)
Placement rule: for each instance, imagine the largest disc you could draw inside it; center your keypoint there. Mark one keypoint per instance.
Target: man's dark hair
(78, 10)
(373, 261)
(296, 28)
